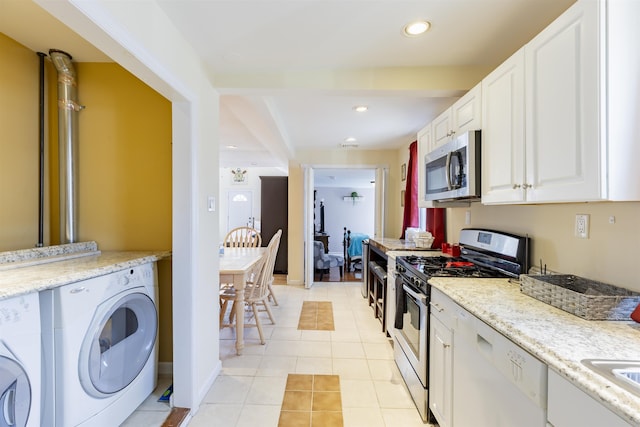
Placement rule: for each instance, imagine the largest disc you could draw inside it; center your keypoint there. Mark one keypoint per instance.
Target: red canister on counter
(455, 250)
(635, 315)
(451, 249)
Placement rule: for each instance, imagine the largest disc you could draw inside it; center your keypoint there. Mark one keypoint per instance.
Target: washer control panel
(140, 275)
(20, 311)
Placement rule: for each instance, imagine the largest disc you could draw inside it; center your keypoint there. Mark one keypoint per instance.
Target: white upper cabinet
(425, 143)
(462, 116)
(581, 127)
(503, 132)
(563, 149)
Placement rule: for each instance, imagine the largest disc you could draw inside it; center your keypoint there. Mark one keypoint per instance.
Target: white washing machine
(20, 361)
(103, 347)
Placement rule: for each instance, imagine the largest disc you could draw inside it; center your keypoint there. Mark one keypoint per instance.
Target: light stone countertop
(559, 339)
(386, 244)
(27, 276)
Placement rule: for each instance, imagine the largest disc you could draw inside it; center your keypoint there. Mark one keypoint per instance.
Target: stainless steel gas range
(483, 253)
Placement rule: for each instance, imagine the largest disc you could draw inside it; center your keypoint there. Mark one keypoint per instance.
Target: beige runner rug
(316, 316)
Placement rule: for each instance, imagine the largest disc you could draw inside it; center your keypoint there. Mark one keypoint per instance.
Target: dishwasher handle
(484, 346)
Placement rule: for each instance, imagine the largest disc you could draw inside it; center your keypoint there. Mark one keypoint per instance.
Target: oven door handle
(420, 298)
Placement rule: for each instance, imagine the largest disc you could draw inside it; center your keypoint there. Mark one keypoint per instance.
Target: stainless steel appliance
(483, 253)
(452, 171)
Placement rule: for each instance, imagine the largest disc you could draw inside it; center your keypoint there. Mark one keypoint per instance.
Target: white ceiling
(289, 72)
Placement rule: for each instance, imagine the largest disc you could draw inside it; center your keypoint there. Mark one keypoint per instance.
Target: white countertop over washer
(559, 339)
(34, 270)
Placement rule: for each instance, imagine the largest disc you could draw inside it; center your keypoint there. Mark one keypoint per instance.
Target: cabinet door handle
(525, 186)
(436, 306)
(516, 186)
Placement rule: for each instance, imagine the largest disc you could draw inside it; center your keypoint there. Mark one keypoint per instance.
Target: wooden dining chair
(243, 237)
(272, 295)
(256, 292)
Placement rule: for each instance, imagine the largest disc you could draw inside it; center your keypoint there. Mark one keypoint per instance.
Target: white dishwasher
(496, 383)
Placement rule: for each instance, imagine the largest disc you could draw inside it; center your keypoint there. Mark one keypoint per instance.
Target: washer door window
(118, 344)
(15, 394)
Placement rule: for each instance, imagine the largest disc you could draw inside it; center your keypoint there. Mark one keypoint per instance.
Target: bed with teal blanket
(352, 244)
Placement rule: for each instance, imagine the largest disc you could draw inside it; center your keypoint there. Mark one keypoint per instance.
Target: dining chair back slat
(243, 237)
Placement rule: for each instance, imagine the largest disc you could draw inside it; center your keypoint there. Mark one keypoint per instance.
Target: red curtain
(435, 216)
(436, 225)
(411, 217)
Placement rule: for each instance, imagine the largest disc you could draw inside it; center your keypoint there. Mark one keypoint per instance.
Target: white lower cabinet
(478, 377)
(570, 407)
(390, 315)
(441, 323)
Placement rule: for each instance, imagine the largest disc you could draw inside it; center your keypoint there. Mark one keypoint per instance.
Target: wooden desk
(324, 238)
(235, 266)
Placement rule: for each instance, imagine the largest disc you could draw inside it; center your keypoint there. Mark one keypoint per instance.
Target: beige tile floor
(250, 389)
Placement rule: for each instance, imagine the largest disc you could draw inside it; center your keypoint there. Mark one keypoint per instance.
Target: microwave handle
(447, 166)
(458, 178)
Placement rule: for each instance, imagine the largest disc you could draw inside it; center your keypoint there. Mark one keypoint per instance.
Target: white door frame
(309, 184)
(308, 226)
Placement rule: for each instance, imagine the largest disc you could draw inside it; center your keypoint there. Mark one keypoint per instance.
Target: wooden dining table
(236, 264)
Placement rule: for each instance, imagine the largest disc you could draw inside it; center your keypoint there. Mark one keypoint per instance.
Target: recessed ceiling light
(350, 139)
(232, 147)
(360, 108)
(416, 28)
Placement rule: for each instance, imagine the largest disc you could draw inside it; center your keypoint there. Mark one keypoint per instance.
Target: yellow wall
(124, 162)
(609, 255)
(19, 146)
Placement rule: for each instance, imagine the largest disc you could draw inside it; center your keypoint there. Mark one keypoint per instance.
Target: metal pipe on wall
(40, 243)
(67, 144)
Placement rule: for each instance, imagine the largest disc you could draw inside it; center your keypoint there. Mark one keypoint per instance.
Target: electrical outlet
(582, 226)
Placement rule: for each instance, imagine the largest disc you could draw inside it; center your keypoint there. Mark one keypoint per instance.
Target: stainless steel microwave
(452, 171)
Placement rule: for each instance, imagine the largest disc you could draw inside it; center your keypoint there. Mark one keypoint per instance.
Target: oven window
(411, 324)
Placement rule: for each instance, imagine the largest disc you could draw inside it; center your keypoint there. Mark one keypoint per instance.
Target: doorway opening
(339, 199)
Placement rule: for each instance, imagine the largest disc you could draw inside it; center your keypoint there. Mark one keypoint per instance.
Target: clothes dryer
(20, 361)
(104, 346)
